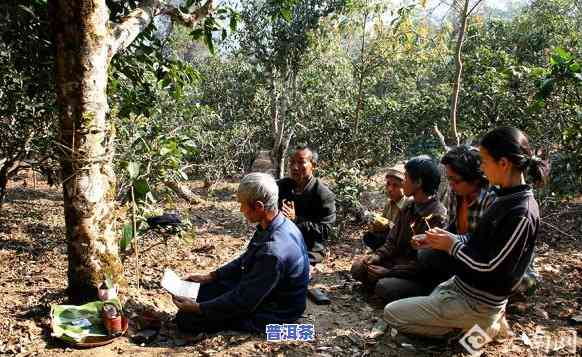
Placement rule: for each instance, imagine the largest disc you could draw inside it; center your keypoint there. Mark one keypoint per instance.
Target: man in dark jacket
(267, 284)
(392, 271)
(307, 201)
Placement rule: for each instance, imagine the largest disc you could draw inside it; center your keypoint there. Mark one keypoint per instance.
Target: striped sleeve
(506, 244)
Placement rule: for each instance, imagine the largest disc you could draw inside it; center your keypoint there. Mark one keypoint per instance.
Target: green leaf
(224, 34)
(133, 169)
(197, 34)
(575, 67)
(234, 18)
(127, 236)
(208, 41)
(286, 14)
(27, 9)
(140, 189)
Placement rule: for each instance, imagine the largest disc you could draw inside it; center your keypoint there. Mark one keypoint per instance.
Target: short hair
(465, 161)
(424, 169)
(314, 153)
(261, 187)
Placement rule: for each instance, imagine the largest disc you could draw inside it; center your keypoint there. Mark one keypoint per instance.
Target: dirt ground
(33, 265)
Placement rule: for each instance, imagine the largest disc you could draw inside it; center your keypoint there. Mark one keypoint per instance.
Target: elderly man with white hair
(266, 284)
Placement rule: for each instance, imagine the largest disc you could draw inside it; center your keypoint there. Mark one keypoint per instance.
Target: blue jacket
(272, 277)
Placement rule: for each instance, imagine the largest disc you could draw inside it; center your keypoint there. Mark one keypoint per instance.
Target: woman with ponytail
(490, 263)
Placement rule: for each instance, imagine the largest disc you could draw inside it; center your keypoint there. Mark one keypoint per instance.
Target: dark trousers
(196, 323)
(375, 240)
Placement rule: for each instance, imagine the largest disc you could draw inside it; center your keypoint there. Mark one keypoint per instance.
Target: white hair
(259, 187)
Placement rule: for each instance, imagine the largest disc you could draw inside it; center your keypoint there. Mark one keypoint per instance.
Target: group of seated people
(434, 269)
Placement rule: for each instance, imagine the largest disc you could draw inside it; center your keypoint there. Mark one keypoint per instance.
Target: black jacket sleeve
(231, 270)
(318, 229)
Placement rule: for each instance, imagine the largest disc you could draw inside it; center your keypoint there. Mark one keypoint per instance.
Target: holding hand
(186, 304)
(437, 238)
(377, 272)
(201, 278)
(288, 209)
(371, 259)
(379, 224)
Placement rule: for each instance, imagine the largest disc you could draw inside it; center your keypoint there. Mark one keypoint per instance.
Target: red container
(112, 320)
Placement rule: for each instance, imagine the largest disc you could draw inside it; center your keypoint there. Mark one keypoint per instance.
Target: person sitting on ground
(381, 225)
(469, 197)
(492, 262)
(307, 201)
(267, 284)
(391, 270)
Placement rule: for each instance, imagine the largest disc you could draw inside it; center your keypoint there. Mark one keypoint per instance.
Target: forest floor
(33, 265)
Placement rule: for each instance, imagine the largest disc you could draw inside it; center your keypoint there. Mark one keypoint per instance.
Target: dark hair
(465, 161)
(424, 169)
(314, 154)
(513, 144)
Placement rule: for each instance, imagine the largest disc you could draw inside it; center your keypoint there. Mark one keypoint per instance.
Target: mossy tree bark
(85, 41)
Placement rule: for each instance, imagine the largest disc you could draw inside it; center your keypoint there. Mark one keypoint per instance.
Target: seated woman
(381, 225)
(492, 262)
(392, 267)
(469, 197)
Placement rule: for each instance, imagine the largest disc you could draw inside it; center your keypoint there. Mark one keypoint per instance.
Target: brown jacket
(397, 250)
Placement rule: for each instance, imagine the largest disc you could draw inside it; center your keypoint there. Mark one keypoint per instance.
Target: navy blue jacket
(273, 274)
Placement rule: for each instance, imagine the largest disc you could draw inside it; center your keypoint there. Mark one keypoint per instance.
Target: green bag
(74, 324)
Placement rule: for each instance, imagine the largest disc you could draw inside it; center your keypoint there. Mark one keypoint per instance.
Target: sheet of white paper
(172, 282)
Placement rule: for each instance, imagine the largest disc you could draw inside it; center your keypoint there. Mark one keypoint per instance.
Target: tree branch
(440, 136)
(125, 32)
(473, 8)
(193, 16)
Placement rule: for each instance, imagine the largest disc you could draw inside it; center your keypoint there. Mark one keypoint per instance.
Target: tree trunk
(86, 139)
(464, 17)
(3, 183)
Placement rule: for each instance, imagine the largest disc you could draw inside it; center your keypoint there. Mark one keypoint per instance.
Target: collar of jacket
(263, 234)
(422, 209)
(478, 200)
(308, 186)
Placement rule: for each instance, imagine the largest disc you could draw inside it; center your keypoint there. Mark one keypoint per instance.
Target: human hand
(201, 278)
(186, 304)
(419, 241)
(440, 239)
(377, 272)
(288, 209)
(371, 259)
(379, 223)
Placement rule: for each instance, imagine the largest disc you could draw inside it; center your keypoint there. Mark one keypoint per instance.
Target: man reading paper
(267, 284)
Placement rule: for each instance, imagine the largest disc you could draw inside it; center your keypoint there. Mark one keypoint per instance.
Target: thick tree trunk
(85, 42)
(86, 142)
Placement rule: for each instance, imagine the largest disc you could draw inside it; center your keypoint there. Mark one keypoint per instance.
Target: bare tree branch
(474, 7)
(440, 136)
(125, 32)
(193, 16)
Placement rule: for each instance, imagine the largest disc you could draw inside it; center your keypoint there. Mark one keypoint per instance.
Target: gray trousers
(387, 289)
(443, 311)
